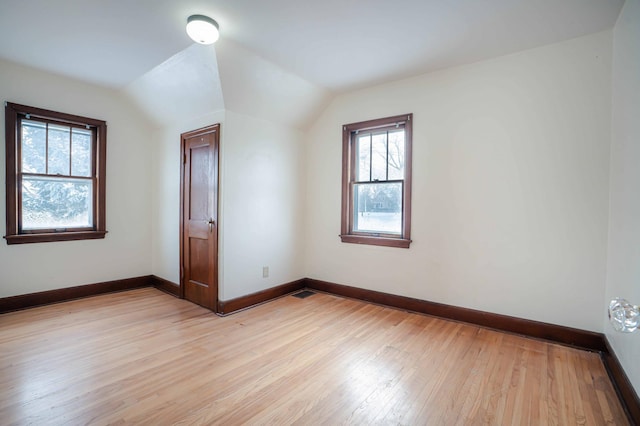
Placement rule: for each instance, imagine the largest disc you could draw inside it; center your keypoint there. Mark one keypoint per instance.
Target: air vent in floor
(303, 294)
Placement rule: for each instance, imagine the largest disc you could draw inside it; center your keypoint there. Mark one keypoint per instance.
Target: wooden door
(199, 216)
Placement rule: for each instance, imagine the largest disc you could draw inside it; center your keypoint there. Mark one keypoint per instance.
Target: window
(55, 168)
(376, 182)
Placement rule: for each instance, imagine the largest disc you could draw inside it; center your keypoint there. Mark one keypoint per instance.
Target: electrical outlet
(265, 271)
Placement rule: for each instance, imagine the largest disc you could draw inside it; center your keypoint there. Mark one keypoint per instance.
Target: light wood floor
(144, 357)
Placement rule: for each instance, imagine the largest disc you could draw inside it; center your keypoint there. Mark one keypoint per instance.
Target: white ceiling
(336, 44)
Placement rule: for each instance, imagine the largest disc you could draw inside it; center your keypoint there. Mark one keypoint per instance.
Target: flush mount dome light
(202, 29)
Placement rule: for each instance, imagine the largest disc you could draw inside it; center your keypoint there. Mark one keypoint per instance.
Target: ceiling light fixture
(202, 29)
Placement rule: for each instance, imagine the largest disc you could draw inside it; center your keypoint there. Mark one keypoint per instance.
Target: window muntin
(377, 182)
(55, 176)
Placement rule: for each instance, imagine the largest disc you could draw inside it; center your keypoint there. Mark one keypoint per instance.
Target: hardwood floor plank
(145, 357)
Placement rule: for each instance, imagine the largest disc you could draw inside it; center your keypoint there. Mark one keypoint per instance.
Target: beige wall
(125, 252)
(510, 186)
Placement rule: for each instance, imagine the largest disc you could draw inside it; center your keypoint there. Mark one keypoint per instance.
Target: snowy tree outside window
(56, 176)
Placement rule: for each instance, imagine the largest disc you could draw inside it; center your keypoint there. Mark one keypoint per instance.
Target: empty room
(337, 212)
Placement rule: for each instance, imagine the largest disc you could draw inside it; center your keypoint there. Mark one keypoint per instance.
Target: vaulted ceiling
(279, 50)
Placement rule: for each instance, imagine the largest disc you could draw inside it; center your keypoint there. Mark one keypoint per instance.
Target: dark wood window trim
(347, 235)
(14, 235)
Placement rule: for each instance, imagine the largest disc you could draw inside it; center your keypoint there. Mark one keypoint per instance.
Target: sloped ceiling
(184, 86)
(257, 87)
(336, 44)
(202, 79)
(280, 59)
(349, 44)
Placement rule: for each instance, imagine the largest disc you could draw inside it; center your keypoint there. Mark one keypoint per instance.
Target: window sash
(46, 124)
(356, 137)
(355, 149)
(357, 229)
(23, 222)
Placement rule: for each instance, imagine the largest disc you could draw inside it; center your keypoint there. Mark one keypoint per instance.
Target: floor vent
(303, 294)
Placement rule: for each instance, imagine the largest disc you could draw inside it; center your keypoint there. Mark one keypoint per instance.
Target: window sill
(54, 236)
(376, 241)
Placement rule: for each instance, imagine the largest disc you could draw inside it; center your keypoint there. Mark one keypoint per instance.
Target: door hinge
(184, 158)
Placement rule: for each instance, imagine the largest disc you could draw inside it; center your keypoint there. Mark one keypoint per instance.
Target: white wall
(623, 278)
(260, 170)
(260, 212)
(125, 252)
(262, 188)
(165, 203)
(510, 186)
(260, 202)
(179, 95)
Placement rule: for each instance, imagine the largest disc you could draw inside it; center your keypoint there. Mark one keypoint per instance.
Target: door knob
(211, 223)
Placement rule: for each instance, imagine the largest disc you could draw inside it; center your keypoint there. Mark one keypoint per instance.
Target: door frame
(216, 181)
